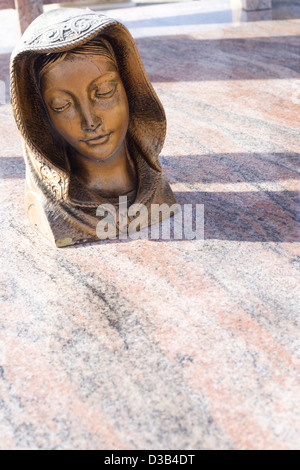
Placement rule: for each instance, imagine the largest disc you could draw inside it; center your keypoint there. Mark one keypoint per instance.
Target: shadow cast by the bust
(235, 167)
(259, 58)
(260, 216)
(237, 216)
(253, 216)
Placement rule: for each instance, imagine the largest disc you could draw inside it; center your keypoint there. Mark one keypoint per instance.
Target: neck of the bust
(111, 177)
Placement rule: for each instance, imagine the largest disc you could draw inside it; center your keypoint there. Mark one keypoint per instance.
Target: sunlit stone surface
(171, 344)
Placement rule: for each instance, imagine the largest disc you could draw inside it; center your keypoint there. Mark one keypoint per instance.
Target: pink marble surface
(256, 4)
(180, 344)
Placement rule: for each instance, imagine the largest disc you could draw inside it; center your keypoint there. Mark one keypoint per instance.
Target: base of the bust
(62, 232)
(53, 233)
(38, 219)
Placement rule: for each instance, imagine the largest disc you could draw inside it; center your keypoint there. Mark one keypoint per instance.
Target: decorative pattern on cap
(67, 30)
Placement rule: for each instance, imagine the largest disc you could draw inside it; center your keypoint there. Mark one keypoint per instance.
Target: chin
(99, 156)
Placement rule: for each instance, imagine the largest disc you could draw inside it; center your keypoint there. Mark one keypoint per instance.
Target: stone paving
(180, 344)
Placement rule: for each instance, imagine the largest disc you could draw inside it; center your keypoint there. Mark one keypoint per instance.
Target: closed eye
(106, 94)
(59, 109)
(105, 89)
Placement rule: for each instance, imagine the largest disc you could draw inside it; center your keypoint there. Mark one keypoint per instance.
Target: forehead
(76, 67)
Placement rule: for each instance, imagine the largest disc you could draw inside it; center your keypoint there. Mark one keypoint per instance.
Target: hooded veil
(51, 204)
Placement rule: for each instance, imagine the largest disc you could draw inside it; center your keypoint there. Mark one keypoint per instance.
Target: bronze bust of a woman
(91, 124)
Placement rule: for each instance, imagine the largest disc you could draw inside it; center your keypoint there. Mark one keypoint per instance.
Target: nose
(89, 120)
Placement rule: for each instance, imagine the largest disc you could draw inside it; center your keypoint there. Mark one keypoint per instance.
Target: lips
(98, 139)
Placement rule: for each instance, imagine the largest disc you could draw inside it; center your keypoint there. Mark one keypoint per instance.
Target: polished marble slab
(257, 4)
(151, 19)
(180, 344)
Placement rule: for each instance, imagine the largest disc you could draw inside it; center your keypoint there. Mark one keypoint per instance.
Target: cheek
(115, 112)
(122, 112)
(64, 126)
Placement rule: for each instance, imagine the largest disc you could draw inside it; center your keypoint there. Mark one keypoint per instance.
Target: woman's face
(87, 104)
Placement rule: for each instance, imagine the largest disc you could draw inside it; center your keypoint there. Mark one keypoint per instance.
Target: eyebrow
(58, 90)
(101, 76)
(93, 82)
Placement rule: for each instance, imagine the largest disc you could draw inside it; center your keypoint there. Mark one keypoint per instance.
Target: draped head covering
(52, 37)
